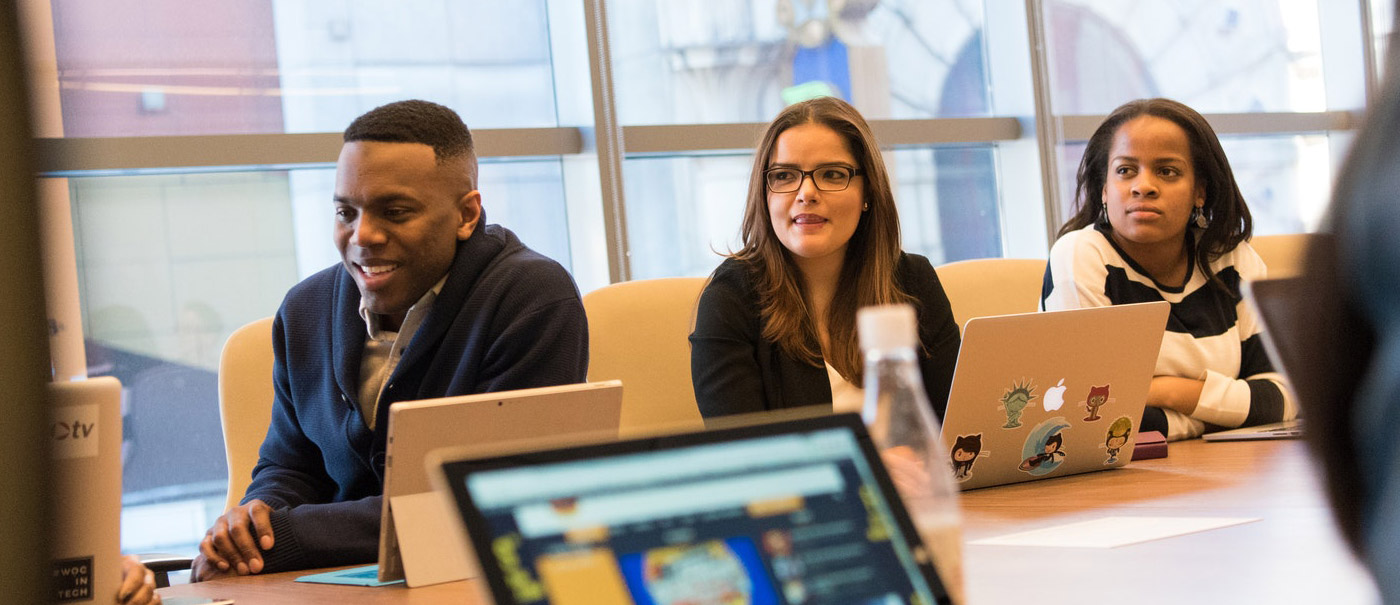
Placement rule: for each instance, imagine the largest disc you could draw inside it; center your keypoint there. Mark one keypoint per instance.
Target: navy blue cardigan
(506, 318)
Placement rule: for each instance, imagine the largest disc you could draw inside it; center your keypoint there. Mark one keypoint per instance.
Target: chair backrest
(992, 286)
(245, 401)
(638, 332)
(1283, 254)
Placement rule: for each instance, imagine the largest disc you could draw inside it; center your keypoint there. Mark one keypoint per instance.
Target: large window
(171, 260)
(1228, 60)
(684, 212)
(193, 143)
(1382, 30)
(742, 61)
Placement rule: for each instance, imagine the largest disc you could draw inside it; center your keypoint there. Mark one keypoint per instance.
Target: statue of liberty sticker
(1015, 400)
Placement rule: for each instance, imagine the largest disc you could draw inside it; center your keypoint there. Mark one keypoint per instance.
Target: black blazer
(735, 370)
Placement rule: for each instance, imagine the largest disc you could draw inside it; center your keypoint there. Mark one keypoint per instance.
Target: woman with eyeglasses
(776, 325)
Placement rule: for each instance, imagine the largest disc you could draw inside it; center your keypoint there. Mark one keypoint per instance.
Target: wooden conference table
(1292, 554)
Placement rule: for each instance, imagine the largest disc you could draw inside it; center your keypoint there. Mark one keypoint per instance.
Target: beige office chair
(638, 332)
(245, 401)
(1283, 254)
(992, 286)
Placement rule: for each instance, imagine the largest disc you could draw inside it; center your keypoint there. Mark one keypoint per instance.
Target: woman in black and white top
(1159, 217)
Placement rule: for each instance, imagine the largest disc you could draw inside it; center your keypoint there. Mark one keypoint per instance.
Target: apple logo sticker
(1055, 396)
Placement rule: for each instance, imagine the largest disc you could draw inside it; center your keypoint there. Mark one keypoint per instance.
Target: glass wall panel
(169, 265)
(1285, 179)
(525, 195)
(744, 60)
(685, 212)
(1382, 29)
(179, 67)
(1218, 57)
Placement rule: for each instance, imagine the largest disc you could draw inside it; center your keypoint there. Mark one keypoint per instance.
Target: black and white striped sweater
(1212, 334)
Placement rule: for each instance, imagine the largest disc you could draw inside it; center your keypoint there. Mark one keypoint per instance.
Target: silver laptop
(85, 434)
(1050, 394)
(412, 544)
(799, 511)
(1288, 308)
(1288, 429)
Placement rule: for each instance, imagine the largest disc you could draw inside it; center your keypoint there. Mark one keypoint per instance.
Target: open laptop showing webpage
(788, 513)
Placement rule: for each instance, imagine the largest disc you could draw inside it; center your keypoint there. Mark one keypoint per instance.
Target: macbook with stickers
(800, 511)
(413, 545)
(1050, 394)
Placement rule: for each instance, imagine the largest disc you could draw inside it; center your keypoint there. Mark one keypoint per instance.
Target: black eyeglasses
(831, 177)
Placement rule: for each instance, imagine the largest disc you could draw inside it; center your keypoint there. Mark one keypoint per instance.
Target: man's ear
(469, 206)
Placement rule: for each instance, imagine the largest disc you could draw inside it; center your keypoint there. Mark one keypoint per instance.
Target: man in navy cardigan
(428, 302)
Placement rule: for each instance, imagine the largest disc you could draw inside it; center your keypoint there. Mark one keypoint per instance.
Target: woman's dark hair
(1228, 216)
(1369, 182)
(872, 255)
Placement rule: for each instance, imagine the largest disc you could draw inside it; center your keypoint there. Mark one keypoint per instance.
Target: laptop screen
(788, 513)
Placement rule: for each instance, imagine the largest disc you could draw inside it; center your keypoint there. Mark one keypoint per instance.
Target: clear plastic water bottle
(904, 428)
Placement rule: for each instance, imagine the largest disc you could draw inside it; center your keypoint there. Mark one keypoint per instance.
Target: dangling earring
(1199, 217)
(1103, 214)
(865, 207)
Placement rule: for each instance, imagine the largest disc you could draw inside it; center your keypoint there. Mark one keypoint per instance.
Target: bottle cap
(886, 327)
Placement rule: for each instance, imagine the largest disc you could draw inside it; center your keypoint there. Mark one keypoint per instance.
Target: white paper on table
(1112, 532)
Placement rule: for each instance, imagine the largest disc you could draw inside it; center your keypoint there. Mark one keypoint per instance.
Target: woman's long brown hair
(872, 255)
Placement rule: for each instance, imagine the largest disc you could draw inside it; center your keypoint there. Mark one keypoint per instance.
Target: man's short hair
(415, 121)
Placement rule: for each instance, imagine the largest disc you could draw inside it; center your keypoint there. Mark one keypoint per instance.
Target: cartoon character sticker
(1098, 396)
(1117, 437)
(966, 450)
(1014, 402)
(1043, 451)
